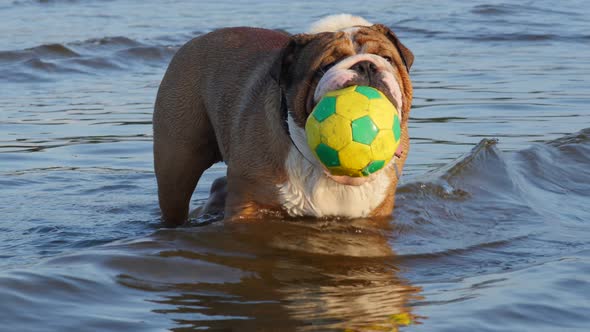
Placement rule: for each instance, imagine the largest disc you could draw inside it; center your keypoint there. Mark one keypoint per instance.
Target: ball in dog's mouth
(354, 133)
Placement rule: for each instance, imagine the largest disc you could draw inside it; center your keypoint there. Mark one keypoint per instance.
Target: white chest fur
(308, 192)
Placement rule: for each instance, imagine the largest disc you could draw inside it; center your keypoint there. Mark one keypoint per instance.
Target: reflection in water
(274, 274)
(486, 218)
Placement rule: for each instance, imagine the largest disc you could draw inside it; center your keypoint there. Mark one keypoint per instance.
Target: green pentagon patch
(327, 155)
(325, 108)
(364, 130)
(373, 167)
(397, 130)
(371, 93)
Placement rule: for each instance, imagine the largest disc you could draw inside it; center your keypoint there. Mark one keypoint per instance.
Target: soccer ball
(353, 131)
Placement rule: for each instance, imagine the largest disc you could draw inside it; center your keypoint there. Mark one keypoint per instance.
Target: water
(487, 235)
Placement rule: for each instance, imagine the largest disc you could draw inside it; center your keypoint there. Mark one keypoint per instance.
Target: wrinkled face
(313, 65)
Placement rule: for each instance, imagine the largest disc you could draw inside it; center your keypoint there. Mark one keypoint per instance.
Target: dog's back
(199, 89)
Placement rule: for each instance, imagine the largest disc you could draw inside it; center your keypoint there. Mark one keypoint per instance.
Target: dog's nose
(367, 68)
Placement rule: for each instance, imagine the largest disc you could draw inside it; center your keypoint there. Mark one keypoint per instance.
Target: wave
(492, 196)
(508, 9)
(35, 145)
(486, 165)
(501, 22)
(488, 213)
(91, 57)
(42, 2)
(493, 36)
(525, 37)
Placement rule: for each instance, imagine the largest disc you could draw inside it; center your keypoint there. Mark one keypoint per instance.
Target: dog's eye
(387, 58)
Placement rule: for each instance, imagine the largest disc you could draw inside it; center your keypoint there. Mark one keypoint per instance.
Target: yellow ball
(354, 131)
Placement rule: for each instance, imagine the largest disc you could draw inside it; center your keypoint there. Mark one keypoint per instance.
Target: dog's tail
(337, 22)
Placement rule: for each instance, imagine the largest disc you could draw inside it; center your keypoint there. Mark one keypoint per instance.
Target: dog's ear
(406, 55)
(283, 66)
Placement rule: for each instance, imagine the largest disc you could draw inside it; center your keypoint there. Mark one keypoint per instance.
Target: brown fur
(220, 100)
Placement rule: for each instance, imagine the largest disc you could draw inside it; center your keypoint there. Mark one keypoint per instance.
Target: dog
(242, 96)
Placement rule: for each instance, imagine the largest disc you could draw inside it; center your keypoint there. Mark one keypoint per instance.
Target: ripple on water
(491, 239)
(466, 234)
(89, 57)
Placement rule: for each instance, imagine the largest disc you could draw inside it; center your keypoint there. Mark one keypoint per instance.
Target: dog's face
(314, 64)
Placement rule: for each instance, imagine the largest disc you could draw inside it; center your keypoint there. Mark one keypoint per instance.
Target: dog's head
(314, 64)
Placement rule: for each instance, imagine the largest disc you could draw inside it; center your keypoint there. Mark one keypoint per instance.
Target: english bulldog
(242, 96)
